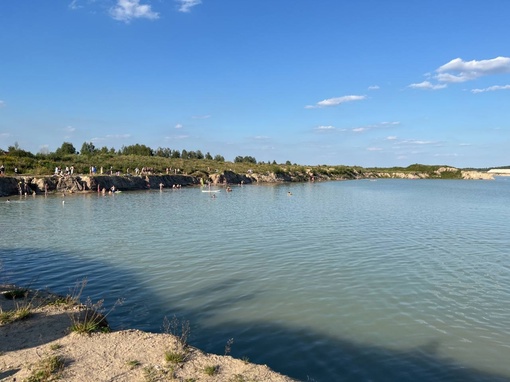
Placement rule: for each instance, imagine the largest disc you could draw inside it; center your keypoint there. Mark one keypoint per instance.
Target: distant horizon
(363, 83)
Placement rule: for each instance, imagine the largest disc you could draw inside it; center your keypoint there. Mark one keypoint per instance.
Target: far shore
(44, 184)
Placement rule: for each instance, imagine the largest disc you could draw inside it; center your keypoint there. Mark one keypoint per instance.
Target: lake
(383, 280)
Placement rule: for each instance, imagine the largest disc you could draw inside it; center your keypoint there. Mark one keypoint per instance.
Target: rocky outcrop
(39, 185)
(230, 177)
(477, 175)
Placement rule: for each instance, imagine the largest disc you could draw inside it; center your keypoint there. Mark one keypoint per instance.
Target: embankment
(28, 185)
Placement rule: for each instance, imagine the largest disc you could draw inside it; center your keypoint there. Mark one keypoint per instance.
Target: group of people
(68, 171)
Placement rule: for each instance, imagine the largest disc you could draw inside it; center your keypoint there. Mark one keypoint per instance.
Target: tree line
(89, 149)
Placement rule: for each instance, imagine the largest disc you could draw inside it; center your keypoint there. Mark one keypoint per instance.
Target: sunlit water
(359, 280)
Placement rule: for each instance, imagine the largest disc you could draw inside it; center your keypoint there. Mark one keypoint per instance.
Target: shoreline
(125, 355)
(47, 184)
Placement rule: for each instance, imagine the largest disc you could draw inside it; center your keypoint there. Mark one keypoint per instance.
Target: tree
(88, 148)
(219, 158)
(208, 156)
(137, 150)
(67, 148)
(246, 159)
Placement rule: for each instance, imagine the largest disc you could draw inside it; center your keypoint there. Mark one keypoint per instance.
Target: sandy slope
(107, 356)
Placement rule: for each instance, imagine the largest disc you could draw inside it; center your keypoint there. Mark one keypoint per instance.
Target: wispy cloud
(186, 5)
(127, 10)
(201, 116)
(375, 126)
(391, 138)
(178, 126)
(491, 89)
(458, 70)
(176, 137)
(417, 142)
(74, 5)
(70, 129)
(2, 104)
(427, 86)
(336, 101)
(374, 87)
(325, 128)
(374, 149)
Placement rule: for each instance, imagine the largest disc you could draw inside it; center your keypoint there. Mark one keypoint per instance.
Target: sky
(340, 82)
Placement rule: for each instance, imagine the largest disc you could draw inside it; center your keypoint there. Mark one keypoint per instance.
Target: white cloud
(177, 137)
(2, 104)
(69, 129)
(336, 101)
(458, 70)
(178, 126)
(491, 89)
(374, 87)
(375, 126)
(374, 149)
(325, 128)
(201, 116)
(261, 137)
(74, 5)
(186, 5)
(126, 10)
(427, 85)
(391, 138)
(418, 142)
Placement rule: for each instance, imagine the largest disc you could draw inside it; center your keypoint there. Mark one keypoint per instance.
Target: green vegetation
(133, 364)
(16, 293)
(90, 316)
(175, 357)
(21, 312)
(211, 370)
(48, 369)
(189, 162)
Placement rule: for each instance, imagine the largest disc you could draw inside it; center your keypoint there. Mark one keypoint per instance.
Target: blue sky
(365, 82)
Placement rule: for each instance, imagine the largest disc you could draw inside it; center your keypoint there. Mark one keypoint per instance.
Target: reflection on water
(387, 280)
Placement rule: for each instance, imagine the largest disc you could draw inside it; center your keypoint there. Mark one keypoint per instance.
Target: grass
(16, 293)
(88, 317)
(133, 363)
(175, 357)
(211, 370)
(48, 369)
(56, 347)
(180, 329)
(21, 312)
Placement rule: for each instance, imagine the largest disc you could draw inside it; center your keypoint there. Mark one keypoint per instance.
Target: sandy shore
(27, 345)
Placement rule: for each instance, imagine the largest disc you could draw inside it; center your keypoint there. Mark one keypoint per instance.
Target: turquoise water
(358, 280)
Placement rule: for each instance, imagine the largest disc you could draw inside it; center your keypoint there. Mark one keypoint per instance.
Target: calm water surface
(361, 280)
